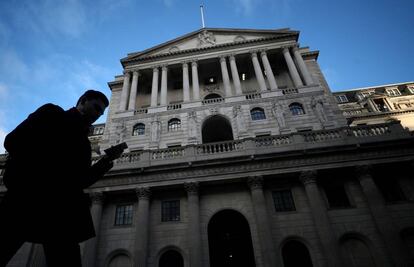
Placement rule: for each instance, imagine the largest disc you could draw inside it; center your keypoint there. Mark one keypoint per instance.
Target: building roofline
(372, 87)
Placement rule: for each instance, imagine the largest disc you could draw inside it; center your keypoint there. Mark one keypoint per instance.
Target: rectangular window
(393, 92)
(170, 210)
(283, 200)
(390, 188)
(341, 98)
(336, 195)
(123, 215)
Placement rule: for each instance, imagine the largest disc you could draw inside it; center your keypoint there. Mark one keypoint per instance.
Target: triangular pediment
(205, 38)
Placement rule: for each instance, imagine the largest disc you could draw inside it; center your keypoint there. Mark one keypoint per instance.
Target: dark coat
(48, 167)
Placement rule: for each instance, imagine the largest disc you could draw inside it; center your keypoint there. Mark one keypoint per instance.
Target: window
(410, 88)
(139, 129)
(170, 210)
(123, 215)
(174, 125)
(296, 109)
(283, 200)
(257, 114)
(243, 76)
(393, 91)
(336, 195)
(341, 98)
(364, 94)
(381, 106)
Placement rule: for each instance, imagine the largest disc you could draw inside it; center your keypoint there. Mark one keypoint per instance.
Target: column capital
(127, 72)
(136, 72)
(295, 48)
(97, 197)
(253, 53)
(308, 177)
(143, 192)
(363, 171)
(194, 63)
(232, 57)
(184, 64)
(191, 188)
(223, 58)
(164, 67)
(255, 182)
(155, 69)
(263, 52)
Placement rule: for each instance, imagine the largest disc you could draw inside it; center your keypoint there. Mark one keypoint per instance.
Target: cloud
(11, 64)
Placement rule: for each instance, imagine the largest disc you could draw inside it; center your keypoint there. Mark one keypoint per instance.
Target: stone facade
(240, 156)
(378, 104)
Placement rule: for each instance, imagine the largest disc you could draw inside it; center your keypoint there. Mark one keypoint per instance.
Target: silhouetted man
(48, 167)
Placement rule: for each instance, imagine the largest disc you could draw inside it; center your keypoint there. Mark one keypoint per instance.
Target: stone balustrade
(249, 147)
(174, 106)
(213, 101)
(253, 96)
(289, 91)
(141, 111)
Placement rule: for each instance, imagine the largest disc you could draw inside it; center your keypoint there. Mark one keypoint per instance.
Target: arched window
(257, 114)
(295, 253)
(174, 125)
(296, 109)
(139, 129)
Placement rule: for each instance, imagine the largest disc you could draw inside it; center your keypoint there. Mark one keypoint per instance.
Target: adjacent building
(239, 155)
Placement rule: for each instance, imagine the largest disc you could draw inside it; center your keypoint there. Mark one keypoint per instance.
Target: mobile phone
(114, 149)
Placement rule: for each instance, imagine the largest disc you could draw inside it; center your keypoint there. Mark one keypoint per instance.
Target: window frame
(295, 107)
(341, 99)
(174, 125)
(171, 213)
(283, 206)
(135, 129)
(257, 114)
(127, 215)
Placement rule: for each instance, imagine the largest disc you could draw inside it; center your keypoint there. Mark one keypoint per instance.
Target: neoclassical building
(378, 104)
(240, 156)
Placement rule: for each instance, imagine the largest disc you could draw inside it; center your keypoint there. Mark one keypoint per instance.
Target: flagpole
(202, 15)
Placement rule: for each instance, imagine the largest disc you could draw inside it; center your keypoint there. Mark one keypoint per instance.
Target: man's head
(92, 105)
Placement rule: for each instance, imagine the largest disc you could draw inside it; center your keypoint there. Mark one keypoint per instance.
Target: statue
(206, 38)
(279, 114)
(192, 125)
(317, 106)
(155, 129)
(238, 115)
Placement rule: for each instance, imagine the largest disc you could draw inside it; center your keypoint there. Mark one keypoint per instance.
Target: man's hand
(115, 152)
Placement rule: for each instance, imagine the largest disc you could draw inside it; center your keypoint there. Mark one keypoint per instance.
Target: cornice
(382, 114)
(281, 163)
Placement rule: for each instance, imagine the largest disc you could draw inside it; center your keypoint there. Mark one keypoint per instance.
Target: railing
(267, 141)
(260, 145)
(212, 101)
(168, 153)
(222, 147)
(371, 130)
(141, 111)
(323, 136)
(174, 106)
(253, 96)
(289, 91)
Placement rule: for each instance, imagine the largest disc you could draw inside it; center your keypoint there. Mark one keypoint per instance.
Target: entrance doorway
(171, 258)
(229, 240)
(296, 254)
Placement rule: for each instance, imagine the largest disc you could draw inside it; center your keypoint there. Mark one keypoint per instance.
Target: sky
(52, 50)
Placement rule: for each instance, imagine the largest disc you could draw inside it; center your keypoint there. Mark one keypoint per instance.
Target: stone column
(134, 89)
(225, 75)
(235, 75)
(262, 220)
(258, 72)
(186, 83)
(320, 217)
(194, 231)
(164, 86)
(154, 89)
(382, 218)
(302, 66)
(90, 249)
(269, 73)
(196, 86)
(125, 91)
(292, 68)
(142, 227)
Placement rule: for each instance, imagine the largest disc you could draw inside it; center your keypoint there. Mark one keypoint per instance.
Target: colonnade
(364, 188)
(296, 67)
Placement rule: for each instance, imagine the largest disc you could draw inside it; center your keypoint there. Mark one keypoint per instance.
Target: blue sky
(51, 50)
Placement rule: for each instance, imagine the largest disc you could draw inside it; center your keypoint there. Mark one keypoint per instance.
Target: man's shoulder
(50, 107)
